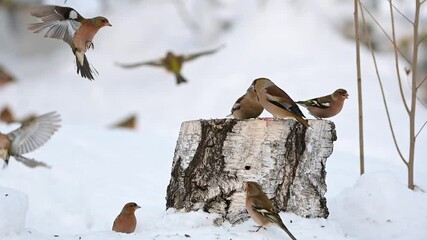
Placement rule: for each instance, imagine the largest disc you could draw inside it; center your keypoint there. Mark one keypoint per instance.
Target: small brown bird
(5, 77)
(125, 222)
(27, 138)
(326, 106)
(247, 106)
(276, 101)
(171, 62)
(67, 24)
(129, 122)
(7, 116)
(261, 210)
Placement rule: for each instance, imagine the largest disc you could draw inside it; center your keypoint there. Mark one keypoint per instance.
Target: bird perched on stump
(27, 138)
(171, 62)
(247, 106)
(326, 106)
(67, 24)
(125, 222)
(276, 101)
(261, 210)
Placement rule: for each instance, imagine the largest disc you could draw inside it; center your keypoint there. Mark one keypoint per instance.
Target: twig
(403, 15)
(396, 58)
(359, 87)
(416, 135)
(381, 87)
(421, 83)
(385, 33)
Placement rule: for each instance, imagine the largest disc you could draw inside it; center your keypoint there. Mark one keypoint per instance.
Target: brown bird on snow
(125, 222)
(247, 106)
(261, 210)
(171, 62)
(67, 24)
(276, 101)
(27, 138)
(326, 106)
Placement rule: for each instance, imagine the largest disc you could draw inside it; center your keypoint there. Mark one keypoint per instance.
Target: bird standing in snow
(276, 101)
(125, 222)
(171, 62)
(247, 106)
(326, 106)
(261, 210)
(27, 138)
(67, 24)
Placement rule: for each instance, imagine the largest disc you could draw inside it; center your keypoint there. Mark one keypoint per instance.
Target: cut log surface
(214, 158)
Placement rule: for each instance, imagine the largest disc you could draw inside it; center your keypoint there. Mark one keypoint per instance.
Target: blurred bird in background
(276, 101)
(6, 115)
(171, 62)
(5, 77)
(326, 106)
(247, 106)
(67, 24)
(27, 138)
(261, 210)
(125, 222)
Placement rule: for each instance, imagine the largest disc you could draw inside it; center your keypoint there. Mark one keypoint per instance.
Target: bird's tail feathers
(302, 120)
(284, 228)
(180, 79)
(30, 162)
(84, 68)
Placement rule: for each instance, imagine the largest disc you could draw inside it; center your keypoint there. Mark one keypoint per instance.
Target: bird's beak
(346, 95)
(108, 24)
(137, 206)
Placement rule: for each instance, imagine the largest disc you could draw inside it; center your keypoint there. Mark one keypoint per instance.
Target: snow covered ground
(96, 170)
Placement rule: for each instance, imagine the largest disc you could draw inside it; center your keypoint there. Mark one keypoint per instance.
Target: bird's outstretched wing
(193, 56)
(156, 63)
(58, 22)
(33, 134)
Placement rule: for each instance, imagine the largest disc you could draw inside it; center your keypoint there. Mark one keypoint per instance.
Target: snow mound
(378, 207)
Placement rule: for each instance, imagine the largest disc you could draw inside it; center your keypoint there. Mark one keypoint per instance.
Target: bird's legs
(258, 228)
(89, 44)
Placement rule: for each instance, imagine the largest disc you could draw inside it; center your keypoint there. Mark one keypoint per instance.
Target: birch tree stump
(213, 159)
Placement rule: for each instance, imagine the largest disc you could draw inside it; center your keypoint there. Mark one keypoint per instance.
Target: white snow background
(96, 169)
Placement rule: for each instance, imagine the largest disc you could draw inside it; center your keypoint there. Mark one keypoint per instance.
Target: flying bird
(247, 106)
(261, 210)
(276, 101)
(326, 106)
(27, 138)
(67, 24)
(171, 62)
(125, 222)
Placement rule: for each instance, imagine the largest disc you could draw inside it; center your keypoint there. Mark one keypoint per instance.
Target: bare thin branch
(422, 39)
(421, 83)
(385, 33)
(396, 58)
(359, 88)
(381, 86)
(403, 15)
(416, 135)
